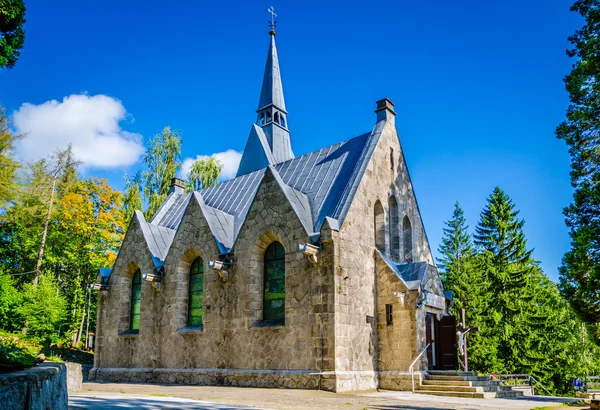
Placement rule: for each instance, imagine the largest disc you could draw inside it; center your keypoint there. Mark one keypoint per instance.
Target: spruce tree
(580, 270)
(507, 267)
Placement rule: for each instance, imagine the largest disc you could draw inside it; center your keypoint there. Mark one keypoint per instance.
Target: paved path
(408, 400)
(119, 396)
(120, 402)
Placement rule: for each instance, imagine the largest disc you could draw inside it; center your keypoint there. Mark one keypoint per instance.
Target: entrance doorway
(441, 337)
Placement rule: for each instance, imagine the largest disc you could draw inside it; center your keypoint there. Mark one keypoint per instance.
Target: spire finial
(272, 23)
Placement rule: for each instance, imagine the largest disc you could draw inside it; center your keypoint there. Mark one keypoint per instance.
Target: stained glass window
(196, 294)
(274, 285)
(136, 298)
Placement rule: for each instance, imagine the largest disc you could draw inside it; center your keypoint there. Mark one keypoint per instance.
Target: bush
(10, 301)
(15, 354)
(43, 309)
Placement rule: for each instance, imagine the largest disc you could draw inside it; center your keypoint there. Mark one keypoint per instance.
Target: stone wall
(232, 338)
(74, 377)
(332, 337)
(358, 310)
(42, 387)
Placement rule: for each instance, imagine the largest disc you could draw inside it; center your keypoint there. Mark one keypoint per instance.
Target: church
(310, 271)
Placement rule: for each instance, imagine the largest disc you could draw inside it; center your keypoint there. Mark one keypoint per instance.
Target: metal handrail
(520, 378)
(411, 370)
(540, 385)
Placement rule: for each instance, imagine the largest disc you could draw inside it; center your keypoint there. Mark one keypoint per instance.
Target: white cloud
(230, 160)
(89, 123)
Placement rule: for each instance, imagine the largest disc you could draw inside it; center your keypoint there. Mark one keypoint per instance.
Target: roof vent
(177, 186)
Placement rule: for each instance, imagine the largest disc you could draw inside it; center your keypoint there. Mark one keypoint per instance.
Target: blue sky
(477, 86)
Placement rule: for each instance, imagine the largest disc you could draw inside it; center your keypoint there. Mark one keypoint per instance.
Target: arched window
(407, 239)
(261, 119)
(135, 301)
(282, 119)
(379, 227)
(268, 117)
(276, 118)
(274, 285)
(394, 229)
(196, 293)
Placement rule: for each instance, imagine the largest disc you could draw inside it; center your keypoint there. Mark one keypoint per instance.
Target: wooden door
(446, 344)
(430, 340)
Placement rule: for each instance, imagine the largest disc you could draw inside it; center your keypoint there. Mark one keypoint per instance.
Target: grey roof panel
(412, 274)
(319, 185)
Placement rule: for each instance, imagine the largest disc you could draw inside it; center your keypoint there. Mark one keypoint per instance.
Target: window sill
(130, 333)
(191, 329)
(268, 324)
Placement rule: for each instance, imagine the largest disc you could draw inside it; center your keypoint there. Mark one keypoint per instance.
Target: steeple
(271, 118)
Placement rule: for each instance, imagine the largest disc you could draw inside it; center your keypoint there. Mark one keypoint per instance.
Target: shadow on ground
(146, 403)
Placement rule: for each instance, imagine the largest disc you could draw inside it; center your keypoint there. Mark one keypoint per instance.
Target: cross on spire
(273, 22)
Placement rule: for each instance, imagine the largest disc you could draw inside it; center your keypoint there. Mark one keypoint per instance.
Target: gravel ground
(147, 396)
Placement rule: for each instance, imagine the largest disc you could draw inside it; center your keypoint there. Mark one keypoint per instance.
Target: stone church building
(309, 271)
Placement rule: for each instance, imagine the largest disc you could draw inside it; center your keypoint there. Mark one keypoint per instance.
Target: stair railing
(412, 365)
(519, 380)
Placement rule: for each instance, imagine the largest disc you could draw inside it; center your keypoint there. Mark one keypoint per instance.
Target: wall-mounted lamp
(400, 296)
(222, 268)
(309, 250)
(153, 278)
(100, 287)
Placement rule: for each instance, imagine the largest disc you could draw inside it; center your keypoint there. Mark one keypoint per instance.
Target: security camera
(309, 250)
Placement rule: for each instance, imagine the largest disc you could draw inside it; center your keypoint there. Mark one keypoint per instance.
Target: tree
(63, 165)
(43, 308)
(10, 301)
(580, 270)
(132, 200)
(8, 166)
(89, 229)
(162, 160)
(204, 173)
(12, 35)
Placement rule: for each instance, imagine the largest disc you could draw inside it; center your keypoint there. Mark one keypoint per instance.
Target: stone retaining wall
(39, 388)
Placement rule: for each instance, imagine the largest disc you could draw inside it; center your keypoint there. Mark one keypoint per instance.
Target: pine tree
(580, 270)
(507, 266)
(456, 260)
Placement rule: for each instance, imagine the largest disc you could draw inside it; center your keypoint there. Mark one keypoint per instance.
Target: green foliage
(15, 354)
(10, 301)
(526, 324)
(8, 166)
(12, 35)
(204, 173)
(43, 308)
(580, 270)
(132, 200)
(163, 160)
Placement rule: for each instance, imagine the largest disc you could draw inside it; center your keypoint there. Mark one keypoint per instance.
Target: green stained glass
(135, 301)
(274, 284)
(196, 293)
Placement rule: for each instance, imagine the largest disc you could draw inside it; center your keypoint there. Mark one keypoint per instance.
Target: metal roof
(272, 89)
(318, 185)
(412, 274)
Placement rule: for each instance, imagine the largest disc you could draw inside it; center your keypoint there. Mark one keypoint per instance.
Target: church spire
(272, 135)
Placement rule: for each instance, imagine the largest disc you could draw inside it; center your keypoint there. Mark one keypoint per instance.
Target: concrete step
(447, 383)
(450, 373)
(473, 395)
(509, 394)
(456, 378)
(451, 388)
